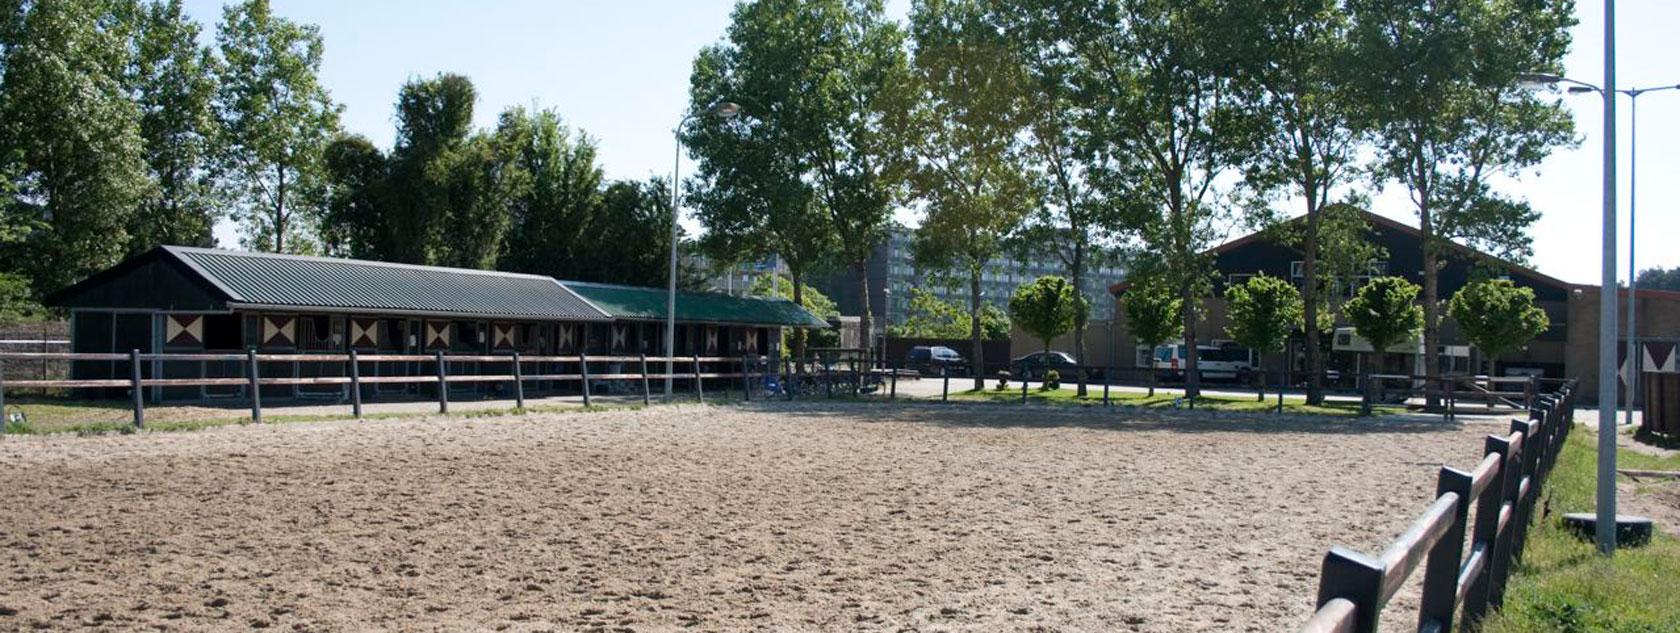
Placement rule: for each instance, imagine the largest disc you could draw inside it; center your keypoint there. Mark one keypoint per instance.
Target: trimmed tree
(1497, 316)
(1046, 308)
(1385, 312)
(1263, 312)
(1152, 315)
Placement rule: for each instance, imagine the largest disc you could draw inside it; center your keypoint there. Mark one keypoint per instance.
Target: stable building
(175, 299)
(1567, 349)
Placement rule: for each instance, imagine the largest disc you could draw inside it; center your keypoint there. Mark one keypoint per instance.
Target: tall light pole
(1607, 420)
(721, 110)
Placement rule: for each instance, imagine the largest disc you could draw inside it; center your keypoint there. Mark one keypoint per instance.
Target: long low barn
(180, 299)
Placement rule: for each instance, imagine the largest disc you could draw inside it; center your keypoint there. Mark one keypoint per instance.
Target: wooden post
(1367, 395)
(443, 384)
(256, 385)
(1108, 378)
(6, 418)
(583, 371)
(1024, 388)
(945, 390)
(518, 382)
(746, 380)
(828, 381)
(1280, 392)
(355, 385)
(1486, 534)
(139, 393)
(1440, 579)
(699, 388)
(893, 394)
(647, 394)
(1354, 577)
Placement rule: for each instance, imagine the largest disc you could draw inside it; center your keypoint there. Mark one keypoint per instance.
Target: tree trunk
(1081, 317)
(1192, 373)
(1309, 271)
(799, 334)
(280, 212)
(865, 323)
(978, 369)
(1431, 320)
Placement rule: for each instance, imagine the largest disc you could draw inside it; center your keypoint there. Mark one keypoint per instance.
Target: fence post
(893, 394)
(1440, 579)
(647, 394)
(1487, 535)
(1285, 381)
(828, 381)
(1510, 481)
(355, 385)
(139, 393)
(518, 383)
(945, 390)
(699, 388)
(1024, 389)
(256, 385)
(1533, 448)
(443, 384)
(6, 418)
(1354, 577)
(583, 372)
(1108, 377)
(746, 380)
(1367, 395)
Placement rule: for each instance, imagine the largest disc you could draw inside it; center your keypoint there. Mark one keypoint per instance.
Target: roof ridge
(189, 250)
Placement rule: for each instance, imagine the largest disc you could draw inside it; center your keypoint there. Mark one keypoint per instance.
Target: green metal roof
(638, 303)
(266, 279)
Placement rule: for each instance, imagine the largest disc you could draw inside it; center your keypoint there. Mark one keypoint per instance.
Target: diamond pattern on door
(504, 336)
(279, 331)
(437, 334)
(364, 332)
(184, 330)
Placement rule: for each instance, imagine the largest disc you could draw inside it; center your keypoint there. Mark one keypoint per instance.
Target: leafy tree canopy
(1497, 316)
(1047, 307)
(931, 317)
(1385, 312)
(1263, 312)
(1660, 278)
(1152, 313)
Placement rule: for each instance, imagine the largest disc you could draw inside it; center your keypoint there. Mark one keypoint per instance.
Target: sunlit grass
(1162, 400)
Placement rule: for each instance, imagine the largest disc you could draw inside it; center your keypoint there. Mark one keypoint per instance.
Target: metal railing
(701, 368)
(1503, 489)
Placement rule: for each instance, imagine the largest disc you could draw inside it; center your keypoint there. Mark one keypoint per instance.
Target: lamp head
(1538, 80)
(724, 109)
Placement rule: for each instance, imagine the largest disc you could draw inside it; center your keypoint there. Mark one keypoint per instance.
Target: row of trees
(120, 132)
(1495, 315)
(1080, 128)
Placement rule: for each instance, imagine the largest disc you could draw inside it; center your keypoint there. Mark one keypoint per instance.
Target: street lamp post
(1607, 301)
(721, 110)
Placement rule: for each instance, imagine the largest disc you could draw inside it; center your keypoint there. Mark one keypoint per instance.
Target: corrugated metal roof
(633, 302)
(267, 279)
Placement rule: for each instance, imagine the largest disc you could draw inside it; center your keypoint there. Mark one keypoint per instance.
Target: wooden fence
(1503, 490)
(353, 362)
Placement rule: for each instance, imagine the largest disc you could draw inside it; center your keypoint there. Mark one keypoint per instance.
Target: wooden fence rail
(745, 368)
(1502, 491)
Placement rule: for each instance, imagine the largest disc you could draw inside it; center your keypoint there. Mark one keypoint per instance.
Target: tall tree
(1071, 222)
(1436, 86)
(434, 127)
(1152, 315)
(355, 223)
(277, 120)
(964, 149)
(822, 79)
(753, 190)
(70, 136)
(1659, 278)
(173, 84)
(557, 197)
(1288, 59)
(1164, 104)
(634, 212)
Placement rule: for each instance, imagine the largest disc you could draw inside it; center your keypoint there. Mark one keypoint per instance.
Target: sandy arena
(786, 518)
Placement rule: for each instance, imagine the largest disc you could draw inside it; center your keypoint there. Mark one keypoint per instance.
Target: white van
(1213, 363)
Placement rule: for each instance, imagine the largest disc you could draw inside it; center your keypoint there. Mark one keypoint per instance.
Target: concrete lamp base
(1631, 531)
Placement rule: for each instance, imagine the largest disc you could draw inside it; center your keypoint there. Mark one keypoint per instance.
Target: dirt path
(794, 517)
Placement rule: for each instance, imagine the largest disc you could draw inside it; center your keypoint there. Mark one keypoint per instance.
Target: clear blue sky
(619, 71)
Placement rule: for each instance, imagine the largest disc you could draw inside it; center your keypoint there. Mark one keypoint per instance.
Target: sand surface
(772, 517)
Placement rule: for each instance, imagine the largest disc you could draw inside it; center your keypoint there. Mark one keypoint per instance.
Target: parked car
(932, 358)
(1032, 366)
(1213, 363)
